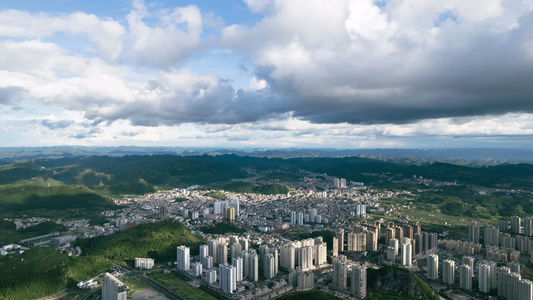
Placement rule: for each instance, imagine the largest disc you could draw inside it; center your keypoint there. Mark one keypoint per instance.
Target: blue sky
(267, 73)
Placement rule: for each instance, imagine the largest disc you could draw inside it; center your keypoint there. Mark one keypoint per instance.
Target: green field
(180, 287)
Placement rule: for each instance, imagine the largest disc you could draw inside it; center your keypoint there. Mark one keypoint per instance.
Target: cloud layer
(386, 68)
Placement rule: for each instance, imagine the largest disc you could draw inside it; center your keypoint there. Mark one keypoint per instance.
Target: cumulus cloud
(175, 36)
(355, 62)
(106, 34)
(316, 68)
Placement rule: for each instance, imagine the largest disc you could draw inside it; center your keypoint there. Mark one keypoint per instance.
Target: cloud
(57, 125)
(176, 35)
(182, 96)
(317, 69)
(355, 62)
(106, 34)
(10, 94)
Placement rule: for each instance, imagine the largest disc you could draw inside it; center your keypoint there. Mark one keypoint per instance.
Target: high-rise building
(433, 266)
(335, 251)
(514, 266)
(228, 278)
(339, 234)
(212, 248)
(342, 183)
(211, 276)
(469, 260)
(448, 271)
(398, 232)
(236, 206)
(408, 231)
(492, 275)
(300, 219)
(268, 266)
(238, 263)
(204, 251)
(503, 225)
(358, 284)
(528, 227)
(491, 235)
(196, 268)
(219, 207)
(407, 252)
(321, 251)
(516, 224)
(503, 286)
(356, 241)
(473, 232)
(390, 233)
(395, 244)
(312, 214)
(235, 250)
(305, 257)
(340, 272)
(465, 281)
(229, 214)
(113, 289)
(525, 289)
(222, 253)
(360, 210)
(371, 241)
(207, 262)
(288, 256)
(513, 280)
(251, 265)
(163, 212)
(293, 217)
(183, 258)
(484, 277)
(336, 183)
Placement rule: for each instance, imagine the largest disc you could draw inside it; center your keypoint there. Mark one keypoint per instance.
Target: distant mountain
(486, 155)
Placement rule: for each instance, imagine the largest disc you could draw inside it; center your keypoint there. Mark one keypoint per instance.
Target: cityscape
(355, 231)
(266, 149)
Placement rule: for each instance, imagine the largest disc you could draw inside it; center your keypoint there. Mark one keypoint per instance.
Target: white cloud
(177, 35)
(106, 34)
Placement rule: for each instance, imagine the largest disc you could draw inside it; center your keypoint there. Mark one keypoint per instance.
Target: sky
(267, 73)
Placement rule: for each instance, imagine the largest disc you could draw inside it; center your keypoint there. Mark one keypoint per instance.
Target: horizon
(267, 74)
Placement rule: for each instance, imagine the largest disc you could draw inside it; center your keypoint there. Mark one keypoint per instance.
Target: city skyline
(257, 73)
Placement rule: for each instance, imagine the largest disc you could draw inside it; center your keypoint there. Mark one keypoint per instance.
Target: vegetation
(23, 197)
(222, 228)
(309, 295)
(43, 271)
(216, 195)
(9, 234)
(40, 272)
(155, 240)
(180, 287)
(398, 282)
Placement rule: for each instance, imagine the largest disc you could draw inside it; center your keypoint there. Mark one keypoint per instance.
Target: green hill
(397, 283)
(155, 240)
(40, 272)
(43, 271)
(24, 197)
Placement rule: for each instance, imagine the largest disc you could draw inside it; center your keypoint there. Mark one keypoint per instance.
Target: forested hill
(143, 174)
